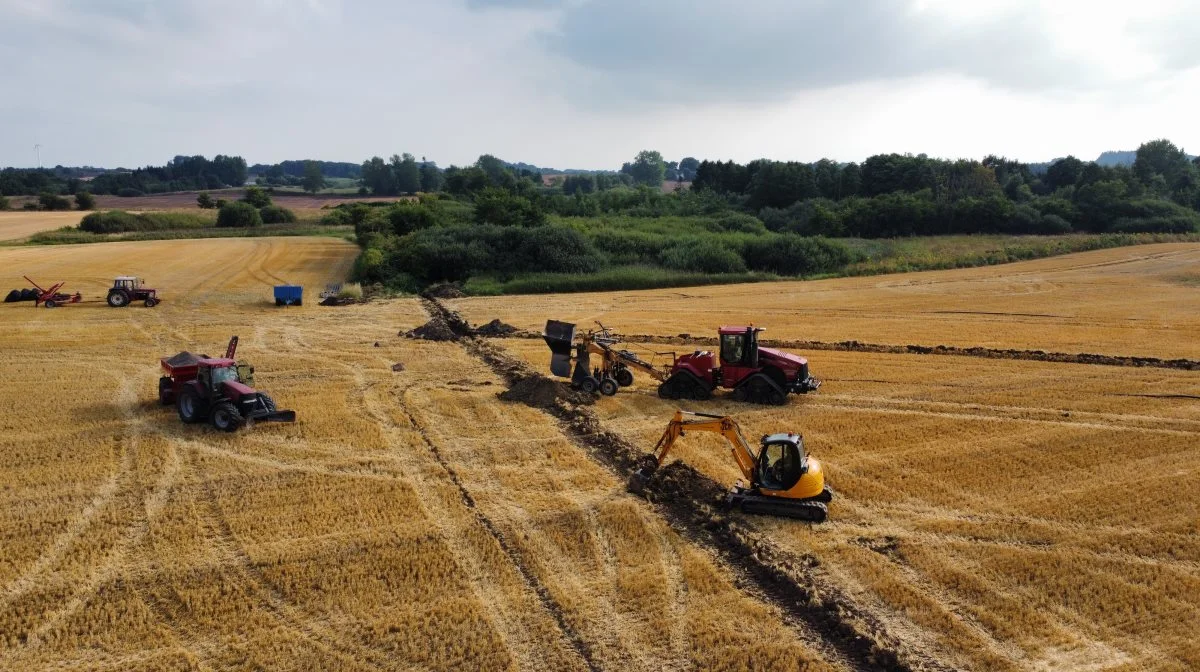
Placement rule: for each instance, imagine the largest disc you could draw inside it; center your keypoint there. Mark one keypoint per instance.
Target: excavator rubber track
(809, 510)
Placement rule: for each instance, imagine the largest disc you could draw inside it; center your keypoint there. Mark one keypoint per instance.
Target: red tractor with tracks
(217, 389)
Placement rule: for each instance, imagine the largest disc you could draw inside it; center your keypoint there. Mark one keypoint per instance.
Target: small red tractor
(754, 373)
(52, 298)
(216, 389)
(127, 289)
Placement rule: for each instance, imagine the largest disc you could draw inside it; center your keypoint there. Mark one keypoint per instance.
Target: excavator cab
(781, 462)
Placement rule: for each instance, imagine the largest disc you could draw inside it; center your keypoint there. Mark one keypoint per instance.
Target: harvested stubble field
(992, 514)
(19, 225)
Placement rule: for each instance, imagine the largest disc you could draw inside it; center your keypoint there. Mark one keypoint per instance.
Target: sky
(589, 83)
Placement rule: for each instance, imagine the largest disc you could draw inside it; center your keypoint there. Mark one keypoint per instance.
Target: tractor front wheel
(118, 299)
(226, 418)
(166, 391)
(191, 406)
(151, 302)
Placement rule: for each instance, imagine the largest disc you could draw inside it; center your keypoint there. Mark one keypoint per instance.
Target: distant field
(20, 224)
(187, 199)
(1123, 301)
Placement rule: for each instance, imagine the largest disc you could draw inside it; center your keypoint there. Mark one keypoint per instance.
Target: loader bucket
(559, 336)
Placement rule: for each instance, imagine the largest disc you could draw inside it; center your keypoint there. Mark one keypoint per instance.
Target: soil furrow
(687, 499)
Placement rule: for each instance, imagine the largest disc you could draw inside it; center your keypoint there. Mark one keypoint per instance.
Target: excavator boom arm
(723, 425)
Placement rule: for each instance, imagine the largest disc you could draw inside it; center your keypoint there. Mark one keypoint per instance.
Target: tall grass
(610, 279)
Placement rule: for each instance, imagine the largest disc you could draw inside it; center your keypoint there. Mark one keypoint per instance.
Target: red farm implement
(51, 297)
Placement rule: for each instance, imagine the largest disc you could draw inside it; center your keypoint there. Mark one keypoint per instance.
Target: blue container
(289, 295)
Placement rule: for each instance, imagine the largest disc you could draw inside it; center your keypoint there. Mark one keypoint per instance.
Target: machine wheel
(609, 387)
(190, 406)
(590, 385)
(151, 302)
(624, 377)
(267, 401)
(166, 392)
(50, 303)
(118, 299)
(776, 398)
(226, 418)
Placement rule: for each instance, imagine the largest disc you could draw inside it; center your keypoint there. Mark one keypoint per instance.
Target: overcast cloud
(588, 83)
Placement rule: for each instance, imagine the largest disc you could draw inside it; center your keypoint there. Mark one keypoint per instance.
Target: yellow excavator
(783, 480)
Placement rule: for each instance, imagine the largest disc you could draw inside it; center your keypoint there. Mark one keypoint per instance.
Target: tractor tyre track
(291, 617)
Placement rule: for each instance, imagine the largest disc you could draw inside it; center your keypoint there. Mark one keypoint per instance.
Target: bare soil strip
(689, 501)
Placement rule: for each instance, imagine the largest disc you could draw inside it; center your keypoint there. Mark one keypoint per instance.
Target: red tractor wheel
(226, 418)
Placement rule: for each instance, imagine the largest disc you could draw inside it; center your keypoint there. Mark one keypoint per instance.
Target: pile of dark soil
(435, 329)
(445, 291)
(539, 391)
(338, 301)
(495, 328)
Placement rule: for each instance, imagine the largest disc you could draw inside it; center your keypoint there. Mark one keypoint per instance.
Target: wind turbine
(38, 150)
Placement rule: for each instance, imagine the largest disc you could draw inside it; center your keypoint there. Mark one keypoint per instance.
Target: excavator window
(779, 466)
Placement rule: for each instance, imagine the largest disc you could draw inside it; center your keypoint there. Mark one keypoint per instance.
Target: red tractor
(216, 389)
(127, 289)
(754, 373)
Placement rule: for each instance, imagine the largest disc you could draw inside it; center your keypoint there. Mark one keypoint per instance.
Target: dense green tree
(407, 172)
(1160, 157)
(314, 179)
(205, 201)
(85, 201)
(688, 167)
(378, 177)
(647, 168)
(431, 177)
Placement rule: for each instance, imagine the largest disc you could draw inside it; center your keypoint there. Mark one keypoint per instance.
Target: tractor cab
(739, 346)
(781, 462)
(127, 283)
(212, 373)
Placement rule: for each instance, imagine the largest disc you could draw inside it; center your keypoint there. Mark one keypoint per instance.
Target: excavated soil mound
(338, 301)
(495, 328)
(434, 330)
(445, 291)
(541, 392)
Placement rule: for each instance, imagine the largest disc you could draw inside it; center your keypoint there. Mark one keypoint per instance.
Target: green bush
(336, 217)
(276, 214)
(238, 214)
(119, 221)
(257, 197)
(404, 218)
(205, 201)
(702, 256)
(53, 202)
(497, 206)
(84, 200)
(4, 203)
(797, 256)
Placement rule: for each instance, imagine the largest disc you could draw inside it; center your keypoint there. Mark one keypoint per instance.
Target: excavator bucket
(559, 336)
